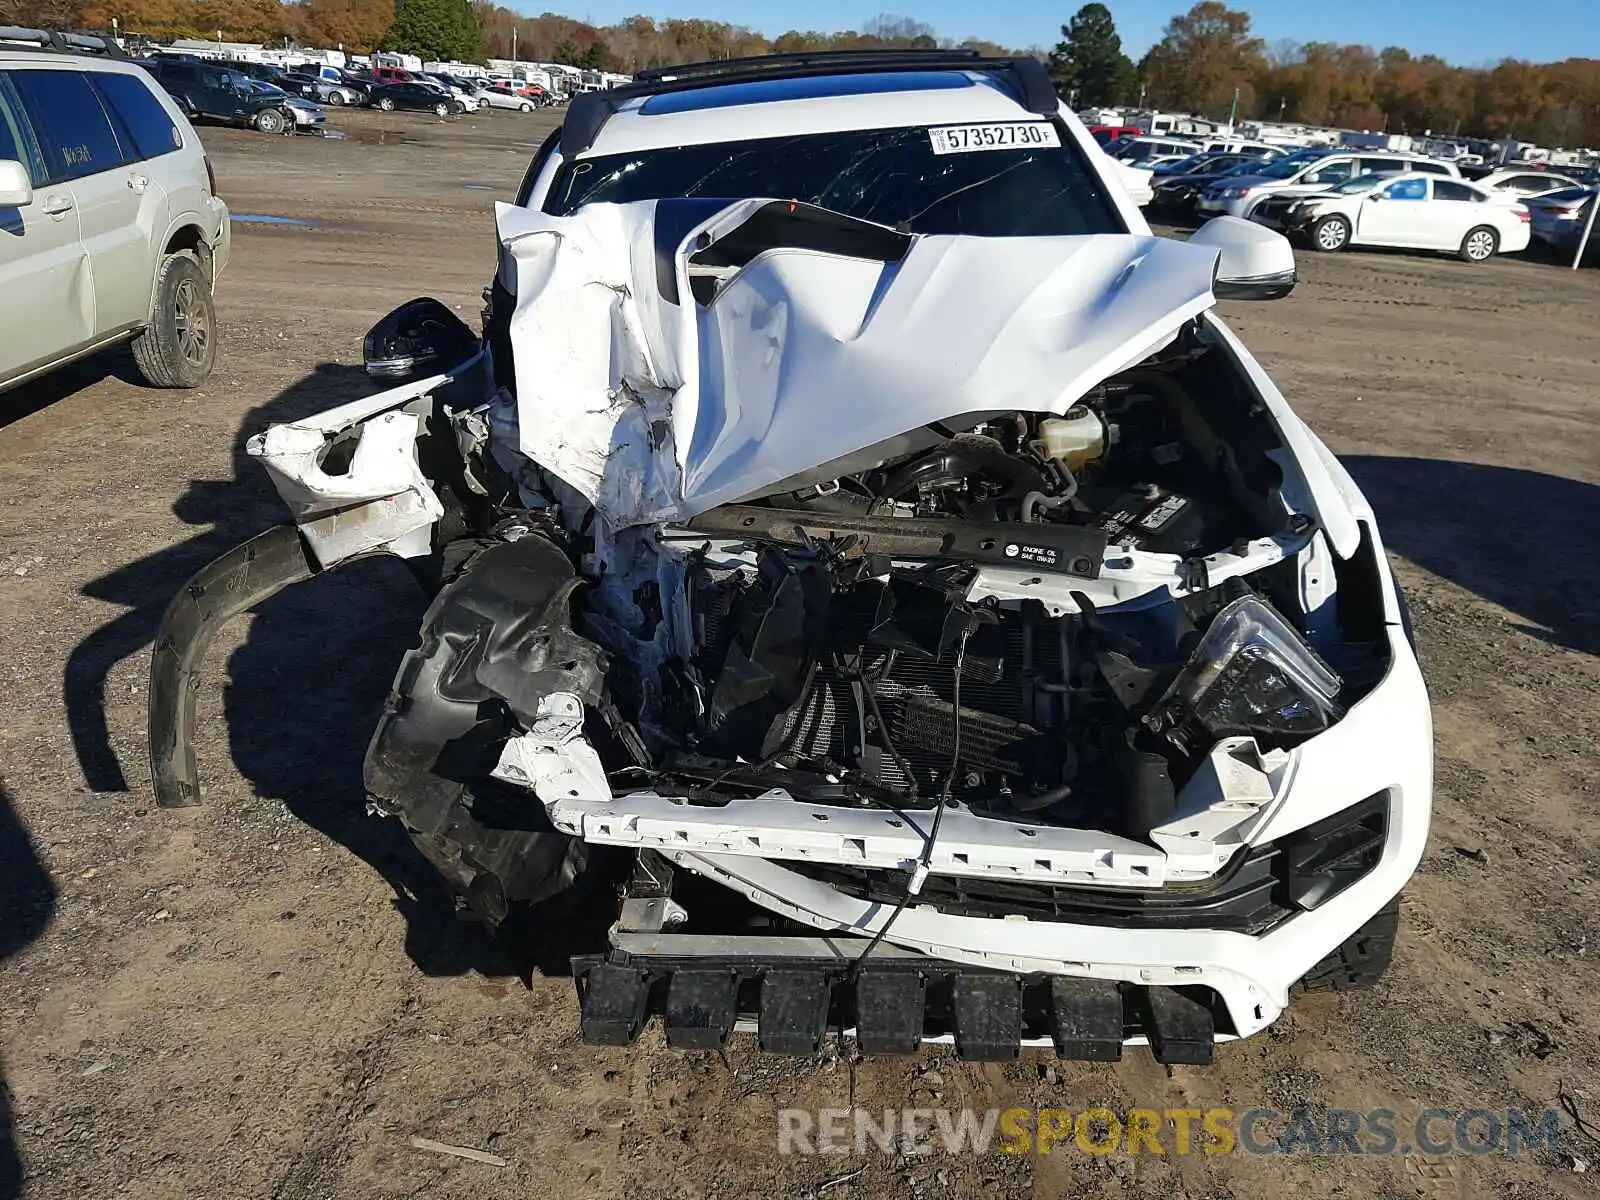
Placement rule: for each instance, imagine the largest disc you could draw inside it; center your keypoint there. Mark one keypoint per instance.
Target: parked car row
(391, 88)
(261, 96)
(1332, 199)
(1153, 152)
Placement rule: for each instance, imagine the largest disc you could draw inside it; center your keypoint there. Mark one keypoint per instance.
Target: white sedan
(469, 100)
(1414, 211)
(1135, 182)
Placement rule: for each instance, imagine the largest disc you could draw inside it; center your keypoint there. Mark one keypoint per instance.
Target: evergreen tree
(1089, 60)
(436, 29)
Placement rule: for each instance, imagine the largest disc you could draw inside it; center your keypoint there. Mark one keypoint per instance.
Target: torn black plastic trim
(242, 578)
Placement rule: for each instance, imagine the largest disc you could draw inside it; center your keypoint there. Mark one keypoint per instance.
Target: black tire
(1361, 960)
(1480, 245)
(178, 348)
(526, 107)
(441, 110)
(337, 98)
(269, 120)
(385, 103)
(1331, 233)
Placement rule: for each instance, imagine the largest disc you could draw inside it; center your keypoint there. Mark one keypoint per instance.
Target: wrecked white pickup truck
(928, 636)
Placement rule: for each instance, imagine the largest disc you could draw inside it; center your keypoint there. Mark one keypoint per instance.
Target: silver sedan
(497, 97)
(325, 90)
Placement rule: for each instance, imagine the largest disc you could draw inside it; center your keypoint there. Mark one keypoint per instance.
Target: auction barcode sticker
(1011, 135)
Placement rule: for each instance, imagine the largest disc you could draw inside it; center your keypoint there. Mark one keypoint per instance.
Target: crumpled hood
(656, 406)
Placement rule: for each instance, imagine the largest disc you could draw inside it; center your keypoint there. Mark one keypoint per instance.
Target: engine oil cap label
(1046, 556)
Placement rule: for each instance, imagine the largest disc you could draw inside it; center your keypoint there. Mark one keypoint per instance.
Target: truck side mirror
(1254, 262)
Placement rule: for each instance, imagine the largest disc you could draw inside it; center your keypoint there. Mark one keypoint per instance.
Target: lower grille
(1247, 898)
(1263, 886)
(1276, 210)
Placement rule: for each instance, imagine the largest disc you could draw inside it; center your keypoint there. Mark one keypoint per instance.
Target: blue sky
(1467, 32)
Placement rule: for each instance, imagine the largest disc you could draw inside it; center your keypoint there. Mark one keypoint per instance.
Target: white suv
(110, 226)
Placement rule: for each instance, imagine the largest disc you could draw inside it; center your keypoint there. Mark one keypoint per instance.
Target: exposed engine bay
(1062, 614)
(826, 639)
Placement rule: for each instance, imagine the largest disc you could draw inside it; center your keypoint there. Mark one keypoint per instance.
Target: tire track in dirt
(323, 1156)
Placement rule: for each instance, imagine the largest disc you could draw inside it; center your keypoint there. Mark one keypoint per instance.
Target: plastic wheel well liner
(495, 640)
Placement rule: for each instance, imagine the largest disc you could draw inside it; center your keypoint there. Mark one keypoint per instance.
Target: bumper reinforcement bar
(890, 1004)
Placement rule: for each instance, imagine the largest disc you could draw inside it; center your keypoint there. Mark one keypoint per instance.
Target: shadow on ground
(74, 377)
(27, 905)
(303, 690)
(1523, 540)
(224, 513)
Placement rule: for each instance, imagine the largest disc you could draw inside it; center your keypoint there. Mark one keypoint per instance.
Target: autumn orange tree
(1209, 51)
(1206, 56)
(356, 25)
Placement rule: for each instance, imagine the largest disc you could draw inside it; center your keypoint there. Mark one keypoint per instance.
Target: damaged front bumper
(242, 578)
(1135, 947)
(1346, 818)
(1085, 980)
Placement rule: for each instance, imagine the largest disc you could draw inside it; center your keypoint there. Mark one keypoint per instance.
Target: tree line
(1208, 61)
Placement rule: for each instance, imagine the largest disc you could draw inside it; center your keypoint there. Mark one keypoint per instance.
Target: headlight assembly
(1250, 674)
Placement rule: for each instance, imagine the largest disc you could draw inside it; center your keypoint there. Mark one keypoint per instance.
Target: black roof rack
(860, 60)
(588, 112)
(59, 41)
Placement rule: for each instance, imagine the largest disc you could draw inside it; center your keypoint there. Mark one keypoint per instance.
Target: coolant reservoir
(1077, 438)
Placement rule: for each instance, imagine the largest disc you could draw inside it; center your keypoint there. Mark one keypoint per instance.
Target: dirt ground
(269, 996)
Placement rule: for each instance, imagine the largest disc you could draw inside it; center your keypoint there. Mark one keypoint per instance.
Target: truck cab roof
(882, 100)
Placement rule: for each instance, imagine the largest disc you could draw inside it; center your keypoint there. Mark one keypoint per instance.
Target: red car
(1106, 134)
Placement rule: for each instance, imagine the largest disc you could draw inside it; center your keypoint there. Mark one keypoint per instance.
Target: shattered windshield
(888, 176)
